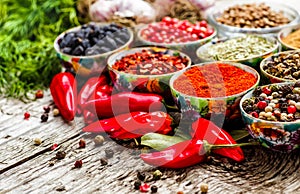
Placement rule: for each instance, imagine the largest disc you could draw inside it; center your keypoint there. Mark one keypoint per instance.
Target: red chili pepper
(124, 102)
(180, 155)
(89, 88)
(206, 130)
(89, 117)
(132, 125)
(63, 88)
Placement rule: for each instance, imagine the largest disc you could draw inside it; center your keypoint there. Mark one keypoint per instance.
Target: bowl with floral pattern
(146, 69)
(271, 114)
(213, 89)
(84, 49)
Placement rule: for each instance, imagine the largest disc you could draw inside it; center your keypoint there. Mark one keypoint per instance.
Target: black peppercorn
(46, 109)
(60, 155)
(103, 161)
(141, 176)
(44, 117)
(137, 185)
(154, 189)
(109, 153)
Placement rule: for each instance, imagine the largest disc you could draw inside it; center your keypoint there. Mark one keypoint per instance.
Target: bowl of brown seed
(281, 67)
(256, 17)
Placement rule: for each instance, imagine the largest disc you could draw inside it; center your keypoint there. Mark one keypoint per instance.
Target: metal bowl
(229, 31)
(283, 33)
(204, 56)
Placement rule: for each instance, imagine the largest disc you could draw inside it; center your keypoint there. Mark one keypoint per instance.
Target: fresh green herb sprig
(28, 29)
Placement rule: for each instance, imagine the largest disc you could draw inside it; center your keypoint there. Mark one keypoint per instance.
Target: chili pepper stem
(135, 141)
(208, 147)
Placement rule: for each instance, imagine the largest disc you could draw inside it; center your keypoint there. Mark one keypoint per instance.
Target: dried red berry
(262, 105)
(54, 146)
(144, 187)
(26, 115)
(39, 94)
(291, 109)
(78, 164)
(267, 90)
(82, 143)
(254, 114)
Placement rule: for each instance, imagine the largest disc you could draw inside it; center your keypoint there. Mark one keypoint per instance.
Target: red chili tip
(39, 94)
(144, 187)
(78, 164)
(54, 146)
(26, 115)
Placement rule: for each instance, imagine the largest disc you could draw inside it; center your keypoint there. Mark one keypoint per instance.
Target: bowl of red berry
(146, 69)
(84, 49)
(177, 34)
(271, 114)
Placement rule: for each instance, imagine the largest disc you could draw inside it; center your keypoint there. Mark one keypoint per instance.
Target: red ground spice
(214, 80)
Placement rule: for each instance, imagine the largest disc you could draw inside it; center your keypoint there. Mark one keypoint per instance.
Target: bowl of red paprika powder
(213, 88)
(146, 69)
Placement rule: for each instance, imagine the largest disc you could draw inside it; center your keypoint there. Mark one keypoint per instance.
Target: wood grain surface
(25, 167)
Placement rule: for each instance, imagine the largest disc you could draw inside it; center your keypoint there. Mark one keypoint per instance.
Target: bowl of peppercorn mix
(281, 67)
(84, 49)
(146, 69)
(271, 114)
(213, 89)
(251, 16)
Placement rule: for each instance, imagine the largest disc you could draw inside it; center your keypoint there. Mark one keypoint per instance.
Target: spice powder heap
(214, 80)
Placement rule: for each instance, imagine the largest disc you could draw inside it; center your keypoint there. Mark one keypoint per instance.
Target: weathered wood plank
(263, 172)
(17, 134)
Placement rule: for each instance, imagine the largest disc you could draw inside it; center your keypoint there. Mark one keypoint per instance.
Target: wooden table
(26, 168)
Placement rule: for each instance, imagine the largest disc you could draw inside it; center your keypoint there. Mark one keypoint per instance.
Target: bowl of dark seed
(256, 17)
(272, 115)
(146, 69)
(84, 49)
(247, 49)
(281, 67)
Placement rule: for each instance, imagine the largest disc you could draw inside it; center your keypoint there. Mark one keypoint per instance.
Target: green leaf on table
(239, 134)
(159, 142)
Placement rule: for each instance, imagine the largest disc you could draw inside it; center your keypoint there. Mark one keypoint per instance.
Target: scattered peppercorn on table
(46, 150)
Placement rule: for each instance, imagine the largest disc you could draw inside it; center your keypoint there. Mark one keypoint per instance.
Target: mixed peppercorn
(285, 65)
(275, 102)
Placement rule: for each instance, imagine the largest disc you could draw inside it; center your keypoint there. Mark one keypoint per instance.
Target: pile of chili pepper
(132, 125)
(206, 136)
(123, 115)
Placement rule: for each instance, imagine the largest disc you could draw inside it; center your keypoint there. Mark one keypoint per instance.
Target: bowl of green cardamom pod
(247, 49)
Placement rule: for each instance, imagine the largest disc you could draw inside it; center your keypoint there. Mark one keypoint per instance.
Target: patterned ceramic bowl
(279, 136)
(285, 32)
(139, 82)
(268, 78)
(229, 31)
(204, 55)
(187, 47)
(85, 65)
(226, 107)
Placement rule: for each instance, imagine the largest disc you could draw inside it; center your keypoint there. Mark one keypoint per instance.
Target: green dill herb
(28, 29)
